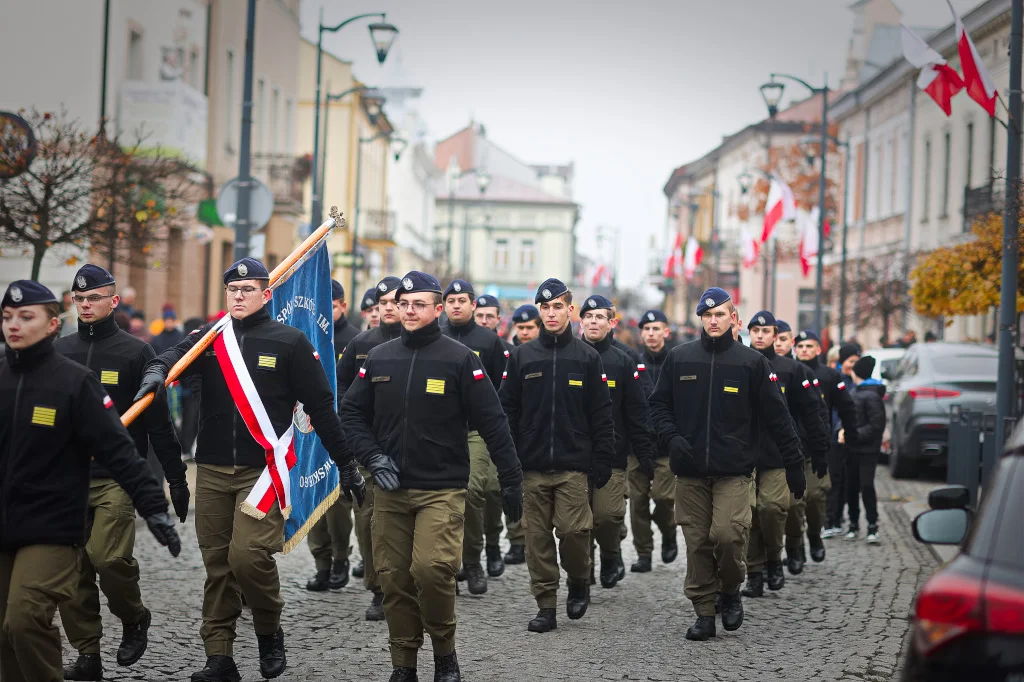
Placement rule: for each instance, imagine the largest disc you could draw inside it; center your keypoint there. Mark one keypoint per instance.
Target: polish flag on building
(694, 255)
(809, 239)
(601, 276)
(937, 78)
(674, 262)
(750, 248)
(977, 82)
(780, 206)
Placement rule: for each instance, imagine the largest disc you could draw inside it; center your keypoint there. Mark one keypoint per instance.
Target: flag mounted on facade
(674, 262)
(780, 206)
(809, 242)
(937, 78)
(976, 79)
(749, 247)
(303, 301)
(694, 255)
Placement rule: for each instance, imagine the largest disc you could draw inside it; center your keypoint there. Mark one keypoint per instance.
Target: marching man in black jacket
(55, 418)
(707, 410)
(632, 438)
(118, 360)
(771, 503)
(558, 405)
(238, 541)
(407, 416)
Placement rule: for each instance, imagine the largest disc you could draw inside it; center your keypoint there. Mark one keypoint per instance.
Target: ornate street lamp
(771, 92)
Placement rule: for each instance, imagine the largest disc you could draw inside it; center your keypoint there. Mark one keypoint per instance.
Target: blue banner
(304, 301)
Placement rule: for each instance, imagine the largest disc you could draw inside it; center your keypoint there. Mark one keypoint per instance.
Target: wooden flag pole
(280, 271)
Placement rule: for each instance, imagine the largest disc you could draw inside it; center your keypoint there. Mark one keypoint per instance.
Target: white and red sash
(274, 483)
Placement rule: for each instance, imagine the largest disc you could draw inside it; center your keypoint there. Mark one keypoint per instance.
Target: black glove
(179, 498)
(384, 471)
(512, 502)
(352, 483)
(646, 465)
(679, 450)
(819, 465)
(153, 379)
(600, 474)
(796, 482)
(162, 528)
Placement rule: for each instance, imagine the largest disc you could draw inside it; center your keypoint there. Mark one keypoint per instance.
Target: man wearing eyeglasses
(407, 417)
(118, 360)
(348, 367)
(238, 549)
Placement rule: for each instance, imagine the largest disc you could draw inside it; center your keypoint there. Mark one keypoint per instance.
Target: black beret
(247, 268)
(653, 316)
(25, 292)
(808, 335)
(386, 286)
(337, 291)
(763, 318)
(525, 313)
(712, 298)
(459, 286)
(596, 302)
(488, 301)
(417, 282)
(369, 299)
(551, 289)
(783, 326)
(90, 277)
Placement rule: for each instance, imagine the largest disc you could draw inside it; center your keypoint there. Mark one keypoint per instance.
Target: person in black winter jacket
(862, 456)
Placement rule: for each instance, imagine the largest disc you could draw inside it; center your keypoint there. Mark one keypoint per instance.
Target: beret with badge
(369, 299)
(763, 318)
(549, 290)
(487, 301)
(595, 302)
(246, 268)
(712, 298)
(459, 286)
(416, 282)
(808, 335)
(652, 316)
(337, 291)
(91, 277)
(525, 313)
(783, 326)
(25, 292)
(386, 286)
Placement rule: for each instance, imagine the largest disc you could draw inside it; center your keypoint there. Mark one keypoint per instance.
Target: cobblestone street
(845, 619)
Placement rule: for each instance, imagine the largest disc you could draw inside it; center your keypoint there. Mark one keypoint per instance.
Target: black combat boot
(87, 667)
(475, 578)
(375, 611)
(359, 570)
(272, 658)
(755, 585)
(460, 575)
(702, 630)
(320, 581)
(578, 600)
(609, 569)
(516, 555)
(495, 564)
(794, 560)
(218, 669)
(776, 576)
(642, 565)
(403, 675)
(446, 668)
(669, 547)
(544, 622)
(621, 572)
(817, 549)
(339, 575)
(732, 611)
(134, 640)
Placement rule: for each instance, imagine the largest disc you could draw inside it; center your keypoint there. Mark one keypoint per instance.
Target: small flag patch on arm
(636, 374)
(641, 368)
(773, 376)
(841, 386)
(362, 372)
(504, 375)
(506, 354)
(806, 383)
(478, 374)
(316, 355)
(107, 402)
(604, 378)
(815, 382)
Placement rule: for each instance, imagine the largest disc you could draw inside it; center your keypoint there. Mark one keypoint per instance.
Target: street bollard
(989, 450)
(954, 469)
(972, 455)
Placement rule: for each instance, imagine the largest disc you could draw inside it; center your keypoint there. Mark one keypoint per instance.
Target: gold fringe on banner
(320, 510)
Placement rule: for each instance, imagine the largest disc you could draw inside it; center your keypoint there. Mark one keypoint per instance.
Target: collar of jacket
(813, 362)
(421, 337)
(656, 358)
(602, 345)
(560, 340)
(390, 331)
(25, 359)
(768, 352)
(256, 319)
(721, 343)
(340, 323)
(462, 329)
(97, 330)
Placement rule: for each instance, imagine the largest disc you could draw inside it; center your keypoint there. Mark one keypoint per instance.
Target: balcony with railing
(283, 174)
(980, 201)
(377, 225)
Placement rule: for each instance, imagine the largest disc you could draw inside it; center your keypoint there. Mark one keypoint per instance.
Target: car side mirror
(887, 375)
(942, 526)
(949, 497)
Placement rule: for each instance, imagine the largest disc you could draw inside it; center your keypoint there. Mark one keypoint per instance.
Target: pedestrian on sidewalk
(862, 458)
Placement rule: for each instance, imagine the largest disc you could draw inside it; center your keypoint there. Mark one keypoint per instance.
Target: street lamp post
(383, 35)
(772, 93)
(398, 145)
(327, 117)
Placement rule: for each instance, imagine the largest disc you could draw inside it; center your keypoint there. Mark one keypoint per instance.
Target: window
(500, 261)
(527, 255)
(193, 69)
(991, 149)
(947, 143)
(926, 190)
(970, 153)
(289, 125)
(275, 99)
(134, 66)
(858, 180)
(805, 309)
(904, 170)
(229, 124)
(886, 184)
(260, 106)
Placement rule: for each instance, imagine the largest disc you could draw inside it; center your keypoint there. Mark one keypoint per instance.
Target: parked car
(886, 360)
(928, 380)
(968, 621)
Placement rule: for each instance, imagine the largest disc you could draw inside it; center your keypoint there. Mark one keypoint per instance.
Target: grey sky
(627, 91)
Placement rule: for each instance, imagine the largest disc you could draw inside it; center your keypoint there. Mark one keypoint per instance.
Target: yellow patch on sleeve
(435, 386)
(44, 416)
(732, 389)
(109, 377)
(611, 383)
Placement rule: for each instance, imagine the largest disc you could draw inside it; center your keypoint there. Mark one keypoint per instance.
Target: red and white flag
(977, 82)
(750, 248)
(601, 276)
(809, 239)
(674, 262)
(694, 255)
(780, 206)
(937, 78)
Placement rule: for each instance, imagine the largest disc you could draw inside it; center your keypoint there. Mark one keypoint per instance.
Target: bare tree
(880, 290)
(92, 192)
